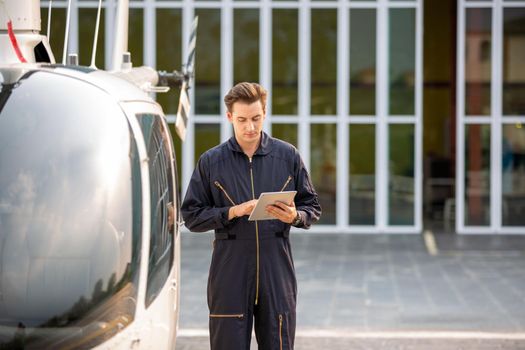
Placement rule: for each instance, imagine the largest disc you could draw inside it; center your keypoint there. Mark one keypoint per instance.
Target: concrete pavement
(387, 291)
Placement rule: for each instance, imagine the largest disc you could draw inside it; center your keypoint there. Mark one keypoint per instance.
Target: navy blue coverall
(252, 274)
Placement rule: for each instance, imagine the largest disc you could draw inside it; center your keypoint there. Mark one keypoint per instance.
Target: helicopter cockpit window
(161, 253)
(70, 215)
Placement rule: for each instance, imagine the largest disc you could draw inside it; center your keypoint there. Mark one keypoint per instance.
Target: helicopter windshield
(70, 214)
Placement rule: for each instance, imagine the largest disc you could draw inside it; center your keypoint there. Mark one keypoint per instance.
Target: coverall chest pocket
(223, 195)
(288, 184)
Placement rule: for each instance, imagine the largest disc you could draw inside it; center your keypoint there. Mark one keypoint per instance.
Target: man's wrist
(297, 220)
(231, 213)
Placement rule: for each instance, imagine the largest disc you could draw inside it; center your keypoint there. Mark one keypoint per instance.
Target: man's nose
(251, 126)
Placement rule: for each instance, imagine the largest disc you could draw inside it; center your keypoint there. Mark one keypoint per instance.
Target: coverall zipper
(219, 186)
(280, 332)
(287, 182)
(227, 316)
(256, 240)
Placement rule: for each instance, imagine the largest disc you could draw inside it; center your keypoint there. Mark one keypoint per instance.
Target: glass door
(490, 176)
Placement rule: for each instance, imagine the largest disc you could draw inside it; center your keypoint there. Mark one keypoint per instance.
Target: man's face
(247, 120)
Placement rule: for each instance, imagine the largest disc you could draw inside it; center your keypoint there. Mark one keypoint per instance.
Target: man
(251, 274)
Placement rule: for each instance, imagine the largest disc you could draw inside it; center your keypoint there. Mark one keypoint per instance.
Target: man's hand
(283, 212)
(241, 209)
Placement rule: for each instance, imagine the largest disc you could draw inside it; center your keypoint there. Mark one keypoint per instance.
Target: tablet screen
(269, 198)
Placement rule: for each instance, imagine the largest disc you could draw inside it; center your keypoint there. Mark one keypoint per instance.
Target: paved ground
(387, 291)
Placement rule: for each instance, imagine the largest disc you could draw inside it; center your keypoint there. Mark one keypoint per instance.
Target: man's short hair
(247, 93)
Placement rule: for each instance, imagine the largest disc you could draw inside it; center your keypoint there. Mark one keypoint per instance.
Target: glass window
(363, 62)
(513, 175)
(477, 175)
(206, 137)
(402, 61)
(169, 44)
(401, 174)
(87, 19)
(324, 62)
(208, 62)
(70, 215)
(513, 61)
(323, 168)
(362, 194)
(285, 132)
(161, 248)
(56, 39)
(478, 48)
(284, 61)
(245, 45)
(136, 36)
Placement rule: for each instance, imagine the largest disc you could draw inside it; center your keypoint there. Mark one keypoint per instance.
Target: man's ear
(230, 116)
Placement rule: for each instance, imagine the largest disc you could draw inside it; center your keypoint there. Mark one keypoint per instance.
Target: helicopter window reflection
(161, 196)
(69, 242)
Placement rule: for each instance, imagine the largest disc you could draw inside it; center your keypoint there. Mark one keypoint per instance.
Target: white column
(304, 81)
(496, 118)
(226, 55)
(150, 31)
(418, 195)
(343, 148)
(73, 31)
(460, 127)
(109, 30)
(382, 101)
(265, 57)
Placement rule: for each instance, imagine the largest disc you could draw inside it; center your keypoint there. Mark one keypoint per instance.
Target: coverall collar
(265, 146)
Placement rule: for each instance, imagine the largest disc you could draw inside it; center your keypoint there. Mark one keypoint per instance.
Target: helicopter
(89, 209)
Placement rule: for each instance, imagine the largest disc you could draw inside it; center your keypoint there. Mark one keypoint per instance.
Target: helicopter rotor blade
(183, 112)
(190, 64)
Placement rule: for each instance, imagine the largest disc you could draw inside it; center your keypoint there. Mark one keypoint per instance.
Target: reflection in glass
(285, 132)
(136, 35)
(478, 48)
(86, 30)
(477, 175)
(70, 215)
(402, 61)
(514, 61)
(284, 61)
(208, 62)
(161, 197)
(362, 196)
(401, 174)
(362, 61)
(245, 45)
(513, 175)
(177, 145)
(324, 62)
(169, 43)
(324, 168)
(206, 137)
(58, 20)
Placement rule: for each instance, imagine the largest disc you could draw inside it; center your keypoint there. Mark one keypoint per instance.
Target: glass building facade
(408, 113)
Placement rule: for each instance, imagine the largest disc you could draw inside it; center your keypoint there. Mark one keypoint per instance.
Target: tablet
(269, 198)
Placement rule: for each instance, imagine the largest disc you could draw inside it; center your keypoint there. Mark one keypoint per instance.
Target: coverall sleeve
(198, 210)
(306, 199)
